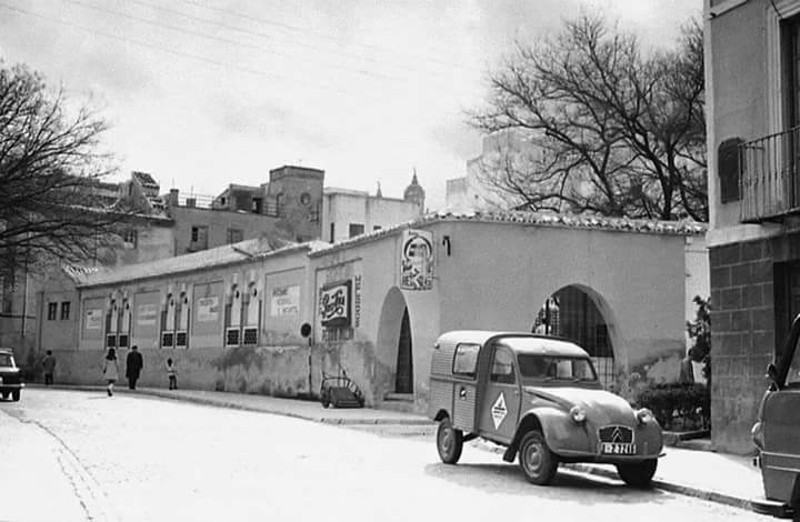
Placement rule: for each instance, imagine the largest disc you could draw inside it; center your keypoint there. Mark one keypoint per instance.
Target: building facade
(753, 111)
(377, 302)
(349, 213)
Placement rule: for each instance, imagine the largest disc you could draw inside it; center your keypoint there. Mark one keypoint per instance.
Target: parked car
(776, 432)
(539, 397)
(10, 379)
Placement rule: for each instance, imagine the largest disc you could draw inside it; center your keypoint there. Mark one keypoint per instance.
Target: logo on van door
(499, 411)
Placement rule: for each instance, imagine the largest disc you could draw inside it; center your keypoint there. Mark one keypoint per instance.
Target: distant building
(474, 192)
(349, 213)
(287, 206)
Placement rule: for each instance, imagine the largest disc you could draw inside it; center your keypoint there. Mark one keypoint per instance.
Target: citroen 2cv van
(540, 398)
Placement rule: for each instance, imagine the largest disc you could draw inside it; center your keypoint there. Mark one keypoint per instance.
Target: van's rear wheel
(538, 463)
(449, 441)
(638, 474)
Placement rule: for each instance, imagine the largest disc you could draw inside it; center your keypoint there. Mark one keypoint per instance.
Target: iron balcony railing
(770, 187)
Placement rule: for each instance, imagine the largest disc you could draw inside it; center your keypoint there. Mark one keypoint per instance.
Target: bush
(678, 406)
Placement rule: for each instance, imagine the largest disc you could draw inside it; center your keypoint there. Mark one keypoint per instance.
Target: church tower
(414, 192)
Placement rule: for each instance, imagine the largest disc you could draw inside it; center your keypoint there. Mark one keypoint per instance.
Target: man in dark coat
(133, 367)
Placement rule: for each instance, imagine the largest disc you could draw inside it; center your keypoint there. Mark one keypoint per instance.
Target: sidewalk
(718, 477)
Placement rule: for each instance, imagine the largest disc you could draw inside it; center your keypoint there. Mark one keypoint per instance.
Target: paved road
(77, 456)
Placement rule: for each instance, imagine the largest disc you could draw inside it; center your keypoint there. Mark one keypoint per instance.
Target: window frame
(66, 308)
(503, 378)
(52, 311)
(457, 352)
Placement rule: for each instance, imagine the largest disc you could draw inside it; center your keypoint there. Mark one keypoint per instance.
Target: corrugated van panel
(442, 362)
(441, 397)
(464, 416)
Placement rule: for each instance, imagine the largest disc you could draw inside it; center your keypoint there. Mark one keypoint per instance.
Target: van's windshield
(555, 368)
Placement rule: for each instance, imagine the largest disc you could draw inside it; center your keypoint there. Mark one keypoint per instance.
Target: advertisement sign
(416, 260)
(207, 309)
(146, 314)
(285, 300)
(94, 319)
(334, 304)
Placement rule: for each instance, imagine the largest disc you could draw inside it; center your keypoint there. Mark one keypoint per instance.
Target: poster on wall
(94, 319)
(285, 300)
(334, 304)
(146, 314)
(416, 260)
(207, 309)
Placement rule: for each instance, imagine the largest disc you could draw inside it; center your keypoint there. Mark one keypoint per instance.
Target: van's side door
(500, 402)
(465, 368)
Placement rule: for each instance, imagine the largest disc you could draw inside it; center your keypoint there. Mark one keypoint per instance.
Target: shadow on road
(567, 485)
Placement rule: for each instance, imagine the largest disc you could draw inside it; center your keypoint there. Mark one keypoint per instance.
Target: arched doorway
(573, 312)
(404, 375)
(395, 342)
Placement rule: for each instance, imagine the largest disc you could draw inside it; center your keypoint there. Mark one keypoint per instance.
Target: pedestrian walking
(49, 364)
(133, 366)
(111, 370)
(172, 373)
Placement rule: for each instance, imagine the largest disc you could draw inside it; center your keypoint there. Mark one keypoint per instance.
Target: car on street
(540, 398)
(776, 432)
(10, 378)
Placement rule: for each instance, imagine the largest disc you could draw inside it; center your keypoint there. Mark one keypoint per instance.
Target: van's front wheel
(449, 441)
(538, 463)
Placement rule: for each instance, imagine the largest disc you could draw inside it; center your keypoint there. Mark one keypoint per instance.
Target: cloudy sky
(202, 93)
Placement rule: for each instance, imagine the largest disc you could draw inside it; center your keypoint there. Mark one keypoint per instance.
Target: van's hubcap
(446, 440)
(533, 458)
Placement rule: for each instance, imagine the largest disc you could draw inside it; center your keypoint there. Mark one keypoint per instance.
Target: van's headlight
(644, 416)
(578, 414)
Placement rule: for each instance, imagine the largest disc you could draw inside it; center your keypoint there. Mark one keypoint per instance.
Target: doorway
(404, 377)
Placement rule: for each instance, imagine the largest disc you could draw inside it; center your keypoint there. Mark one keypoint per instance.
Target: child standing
(111, 370)
(172, 373)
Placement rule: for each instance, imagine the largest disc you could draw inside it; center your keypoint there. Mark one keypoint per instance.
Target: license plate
(618, 448)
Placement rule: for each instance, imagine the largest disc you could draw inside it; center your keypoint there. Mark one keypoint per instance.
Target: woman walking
(111, 370)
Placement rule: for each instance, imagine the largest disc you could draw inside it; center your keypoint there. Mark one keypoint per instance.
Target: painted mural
(416, 260)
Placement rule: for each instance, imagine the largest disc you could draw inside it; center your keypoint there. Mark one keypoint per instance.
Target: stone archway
(578, 313)
(394, 341)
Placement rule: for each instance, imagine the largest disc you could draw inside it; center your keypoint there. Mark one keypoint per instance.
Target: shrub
(678, 406)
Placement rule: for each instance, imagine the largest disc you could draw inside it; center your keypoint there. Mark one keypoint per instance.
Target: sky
(203, 93)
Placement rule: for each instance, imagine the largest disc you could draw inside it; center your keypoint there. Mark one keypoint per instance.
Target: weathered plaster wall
(498, 276)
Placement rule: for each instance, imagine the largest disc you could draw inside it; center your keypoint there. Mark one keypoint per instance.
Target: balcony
(770, 177)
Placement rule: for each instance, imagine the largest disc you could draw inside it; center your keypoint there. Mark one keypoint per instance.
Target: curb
(221, 402)
(765, 507)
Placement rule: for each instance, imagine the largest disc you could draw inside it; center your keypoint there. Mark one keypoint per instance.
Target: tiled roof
(78, 274)
(229, 254)
(540, 219)
(145, 178)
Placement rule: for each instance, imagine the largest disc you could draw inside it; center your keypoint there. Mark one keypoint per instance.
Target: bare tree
(619, 134)
(51, 204)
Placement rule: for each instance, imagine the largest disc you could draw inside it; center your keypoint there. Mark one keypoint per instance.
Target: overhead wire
(225, 65)
(306, 31)
(214, 37)
(299, 43)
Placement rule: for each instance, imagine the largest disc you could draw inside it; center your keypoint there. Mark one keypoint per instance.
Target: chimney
(173, 198)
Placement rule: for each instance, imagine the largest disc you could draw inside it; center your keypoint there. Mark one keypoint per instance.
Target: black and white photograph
(363, 260)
